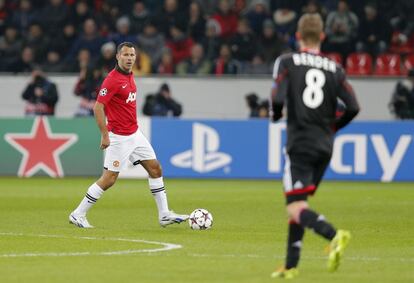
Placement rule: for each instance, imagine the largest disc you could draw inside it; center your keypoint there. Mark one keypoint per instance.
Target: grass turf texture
(246, 243)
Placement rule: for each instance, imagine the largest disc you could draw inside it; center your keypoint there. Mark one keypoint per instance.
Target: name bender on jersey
(314, 61)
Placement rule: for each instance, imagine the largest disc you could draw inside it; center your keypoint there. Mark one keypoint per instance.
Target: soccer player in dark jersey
(310, 85)
(123, 141)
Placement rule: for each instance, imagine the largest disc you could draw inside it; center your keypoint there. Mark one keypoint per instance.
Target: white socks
(91, 197)
(157, 189)
(95, 192)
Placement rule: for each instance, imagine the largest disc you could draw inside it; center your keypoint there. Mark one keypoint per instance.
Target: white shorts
(134, 148)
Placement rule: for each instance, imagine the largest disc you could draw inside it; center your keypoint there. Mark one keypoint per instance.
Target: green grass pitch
(246, 243)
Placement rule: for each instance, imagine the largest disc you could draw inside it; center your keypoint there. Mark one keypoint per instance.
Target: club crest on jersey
(103, 92)
(131, 97)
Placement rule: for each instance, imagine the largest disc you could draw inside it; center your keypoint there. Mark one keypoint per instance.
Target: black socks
(294, 244)
(312, 220)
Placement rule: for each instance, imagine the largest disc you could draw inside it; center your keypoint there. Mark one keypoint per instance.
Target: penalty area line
(164, 246)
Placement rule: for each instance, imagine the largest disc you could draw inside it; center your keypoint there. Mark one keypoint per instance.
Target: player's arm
(105, 94)
(99, 112)
(279, 89)
(347, 95)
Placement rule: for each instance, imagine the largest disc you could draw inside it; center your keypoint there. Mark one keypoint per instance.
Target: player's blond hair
(310, 28)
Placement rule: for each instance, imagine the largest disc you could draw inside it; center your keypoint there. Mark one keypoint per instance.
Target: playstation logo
(204, 156)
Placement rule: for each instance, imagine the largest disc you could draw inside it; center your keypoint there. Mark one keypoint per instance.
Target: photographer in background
(162, 103)
(258, 108)
(41, 95)
(402, 100)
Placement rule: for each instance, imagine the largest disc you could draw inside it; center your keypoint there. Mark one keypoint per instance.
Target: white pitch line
(165, 246)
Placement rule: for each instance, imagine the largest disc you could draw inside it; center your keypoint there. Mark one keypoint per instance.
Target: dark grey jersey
(310, 85)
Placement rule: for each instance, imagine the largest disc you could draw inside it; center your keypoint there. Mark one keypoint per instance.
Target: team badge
(116, 163)
(103, 92)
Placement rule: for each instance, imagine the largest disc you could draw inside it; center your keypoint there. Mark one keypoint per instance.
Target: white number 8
(313, 93)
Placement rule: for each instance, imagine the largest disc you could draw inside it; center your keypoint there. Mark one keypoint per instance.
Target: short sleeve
(107, 90)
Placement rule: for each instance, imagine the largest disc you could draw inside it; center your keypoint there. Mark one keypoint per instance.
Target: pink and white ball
(200, 219)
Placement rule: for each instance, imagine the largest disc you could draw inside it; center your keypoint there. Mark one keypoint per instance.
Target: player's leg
(295, 230)
(116, 155)
(342, 237)
(304, 168)
(156, 184)
(307, 218)
(300, 212)
(93, 194)
(144, 154)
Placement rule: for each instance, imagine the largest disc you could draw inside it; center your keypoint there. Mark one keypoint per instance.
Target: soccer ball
(200, 219)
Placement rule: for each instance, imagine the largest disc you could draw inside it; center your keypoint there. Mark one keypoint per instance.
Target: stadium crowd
(189, 36)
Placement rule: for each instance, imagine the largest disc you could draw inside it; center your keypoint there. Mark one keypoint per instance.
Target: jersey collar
(122, 71)
(311, 50)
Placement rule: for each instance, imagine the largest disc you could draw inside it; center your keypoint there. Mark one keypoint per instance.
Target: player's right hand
(104, 142)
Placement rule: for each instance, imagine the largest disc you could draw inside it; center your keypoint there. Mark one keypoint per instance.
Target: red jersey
(118, 93)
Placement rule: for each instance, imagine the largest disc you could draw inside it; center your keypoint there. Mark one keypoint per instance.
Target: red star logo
(41, 149)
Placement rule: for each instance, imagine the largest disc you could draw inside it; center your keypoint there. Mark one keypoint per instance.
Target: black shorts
(303, 173)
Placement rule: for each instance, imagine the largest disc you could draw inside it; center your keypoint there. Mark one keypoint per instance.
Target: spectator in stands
(25, 63)
(53, 16)
(142, 64)
(37, 40)
(107, 59)
(243, 43)
(53, 62)
(313, 6)
(41, 95)
(208, 6)
(225, 64)
(166, 66)
(82, 62)
(139, 16)
(374, 32)
(341, 30)
(80, 13)
(24, 16)
(402, 101)
(151, 42)
(64, 40)
(196, 64)
(197, 22)
(87, 88)
(108, 15)
(162, 104)
(179, 44)
(169, 16)
(256, 66)
(4, 14)
(122, 33)
(270, 46)
(403, 21)
(89, 39)
(226, 19)
(10, 47)
(285, 19)
(211, 41)
(257, 13)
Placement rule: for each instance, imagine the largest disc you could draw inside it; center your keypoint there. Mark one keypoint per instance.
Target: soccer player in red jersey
(122, 140)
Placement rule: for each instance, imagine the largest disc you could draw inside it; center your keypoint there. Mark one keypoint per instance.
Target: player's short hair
(310, 27)
(127, 44)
